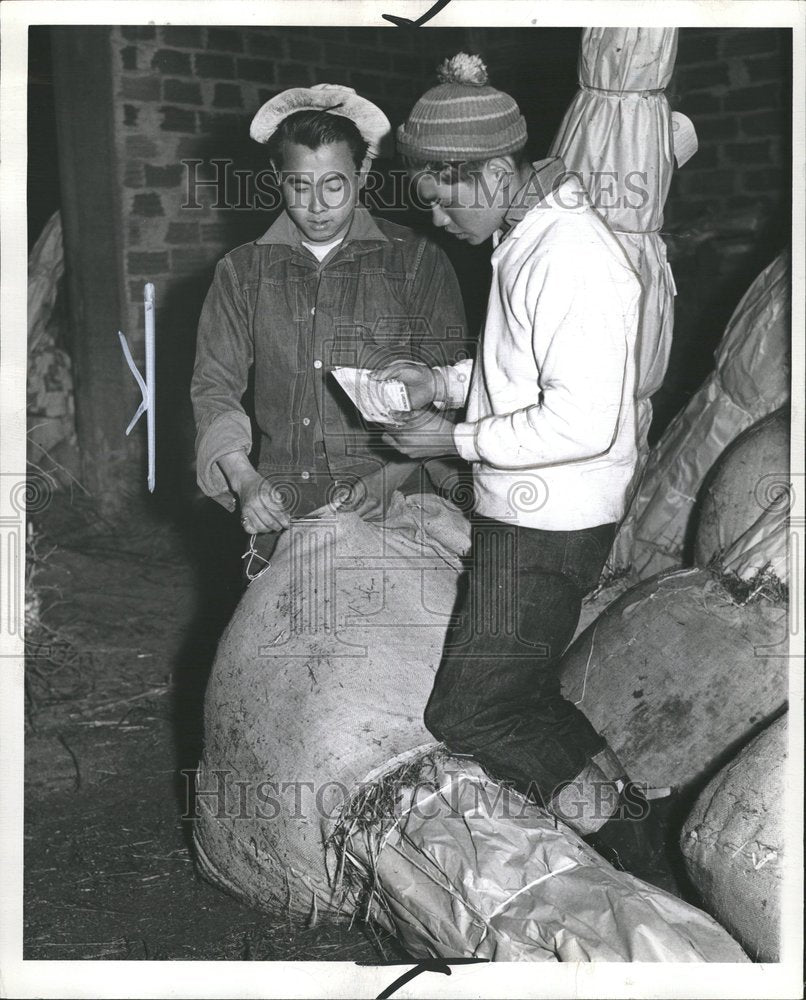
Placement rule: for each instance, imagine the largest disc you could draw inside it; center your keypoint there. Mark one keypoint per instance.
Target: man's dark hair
(454, 171)
(314, 129)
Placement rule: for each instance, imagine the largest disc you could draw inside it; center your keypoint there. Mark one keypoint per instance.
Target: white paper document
(376, 399)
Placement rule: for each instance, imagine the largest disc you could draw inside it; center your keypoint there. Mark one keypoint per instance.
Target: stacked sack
(682, 670)
(733, 840)
(679, 671)
(51, 398)
(317, 695)
(318, 782)
(743, 521)
(733, 843)
(750, 380)
(457, 865)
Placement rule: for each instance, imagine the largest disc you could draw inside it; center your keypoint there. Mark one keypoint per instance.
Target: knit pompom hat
(462, 118)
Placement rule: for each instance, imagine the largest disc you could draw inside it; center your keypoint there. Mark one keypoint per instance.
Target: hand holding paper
(377, 399)
(421, 382)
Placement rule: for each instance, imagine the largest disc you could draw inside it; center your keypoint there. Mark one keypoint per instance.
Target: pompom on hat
(372, 123)
(462, 118)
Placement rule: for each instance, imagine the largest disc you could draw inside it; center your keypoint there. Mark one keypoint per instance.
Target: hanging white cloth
(618, 135)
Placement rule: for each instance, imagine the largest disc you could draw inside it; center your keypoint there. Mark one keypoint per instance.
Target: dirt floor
(114, 685)
(121, 633)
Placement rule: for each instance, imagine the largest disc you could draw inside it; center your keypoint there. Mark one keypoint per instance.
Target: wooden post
(112, 465)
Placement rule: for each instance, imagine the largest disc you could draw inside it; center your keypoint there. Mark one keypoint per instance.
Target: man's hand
(371, 496)
(421, 382)
(261, 508)
(424, 434)
(377, 489)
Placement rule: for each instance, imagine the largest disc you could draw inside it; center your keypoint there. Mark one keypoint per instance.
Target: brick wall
(734, 85)
(188, 93)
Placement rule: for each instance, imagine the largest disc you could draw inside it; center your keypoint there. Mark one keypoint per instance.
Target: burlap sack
(745, 502)
(751, 379)
(51, 434)
(600, 599)
(458, 866)
(733, 843)
(322, 675)
(675, 673)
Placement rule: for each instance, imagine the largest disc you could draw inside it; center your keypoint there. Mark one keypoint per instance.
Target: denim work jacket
(384, 293)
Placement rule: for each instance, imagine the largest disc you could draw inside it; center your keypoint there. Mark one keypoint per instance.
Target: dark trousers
(497, 695)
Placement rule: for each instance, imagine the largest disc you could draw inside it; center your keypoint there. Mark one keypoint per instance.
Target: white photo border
(334, 979)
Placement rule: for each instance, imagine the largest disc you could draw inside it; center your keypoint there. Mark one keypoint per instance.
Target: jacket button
(317, 363)
(313, 310)
(306, 475)
(306, 421)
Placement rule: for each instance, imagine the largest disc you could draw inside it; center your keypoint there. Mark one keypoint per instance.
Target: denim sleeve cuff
(227, 433)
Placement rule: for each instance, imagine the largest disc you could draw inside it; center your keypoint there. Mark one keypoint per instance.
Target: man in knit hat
(550, 432)
(327, 285)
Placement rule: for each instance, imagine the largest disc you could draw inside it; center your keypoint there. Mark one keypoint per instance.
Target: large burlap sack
(733, 843)
(600, 599)
(745, 501)
(458, 866)
(50, 397)
(322, 675)
(751, 379)
(675, 673)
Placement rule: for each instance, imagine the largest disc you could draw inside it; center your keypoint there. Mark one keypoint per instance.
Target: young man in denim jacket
(550, 433)
(327, 285)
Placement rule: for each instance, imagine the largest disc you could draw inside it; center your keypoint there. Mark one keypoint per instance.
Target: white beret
(372, 123)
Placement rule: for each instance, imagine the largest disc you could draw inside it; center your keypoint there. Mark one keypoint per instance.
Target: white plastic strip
(147, 386)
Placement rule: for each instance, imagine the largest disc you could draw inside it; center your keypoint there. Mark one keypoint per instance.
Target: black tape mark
(441, 965)
(405, 22)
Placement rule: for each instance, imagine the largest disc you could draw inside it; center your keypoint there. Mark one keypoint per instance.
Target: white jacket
(550, 426)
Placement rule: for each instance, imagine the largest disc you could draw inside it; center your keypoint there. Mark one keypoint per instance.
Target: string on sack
(251, 554)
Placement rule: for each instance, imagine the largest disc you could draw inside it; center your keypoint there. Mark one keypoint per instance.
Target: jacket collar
(282, 231)
(542, 180)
